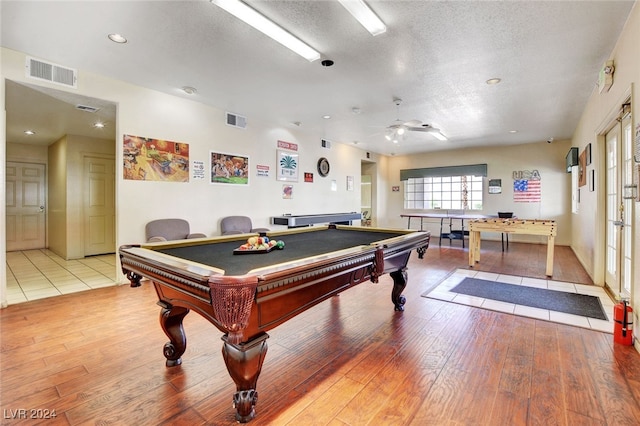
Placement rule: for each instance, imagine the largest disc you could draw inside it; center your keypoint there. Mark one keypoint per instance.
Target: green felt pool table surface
(298, 245)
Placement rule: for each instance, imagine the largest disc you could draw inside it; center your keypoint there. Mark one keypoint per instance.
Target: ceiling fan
(399, 128)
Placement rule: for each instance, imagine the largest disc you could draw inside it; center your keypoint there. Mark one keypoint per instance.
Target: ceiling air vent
(87, 108)
(236, 120)
(51, 72)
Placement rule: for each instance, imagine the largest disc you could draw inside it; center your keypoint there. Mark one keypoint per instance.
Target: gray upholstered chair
(169, 229)
(238, 225)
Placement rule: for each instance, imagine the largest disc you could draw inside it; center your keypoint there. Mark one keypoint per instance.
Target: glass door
(620, 205)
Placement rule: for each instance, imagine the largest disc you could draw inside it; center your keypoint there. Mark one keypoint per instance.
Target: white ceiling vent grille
(87, 108)
(236, 120)
(51, 72)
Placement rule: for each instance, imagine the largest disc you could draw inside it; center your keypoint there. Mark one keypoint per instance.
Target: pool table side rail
(241, 238)
(191, 268)
(314, 269)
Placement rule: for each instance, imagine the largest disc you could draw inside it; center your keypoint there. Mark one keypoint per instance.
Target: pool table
(246, 294)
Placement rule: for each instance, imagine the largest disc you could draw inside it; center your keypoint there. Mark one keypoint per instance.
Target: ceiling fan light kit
(399, 128)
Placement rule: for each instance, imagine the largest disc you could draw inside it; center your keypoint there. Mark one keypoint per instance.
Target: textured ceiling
(435, 55)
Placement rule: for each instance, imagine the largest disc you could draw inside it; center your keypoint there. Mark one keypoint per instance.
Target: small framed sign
(495, 186)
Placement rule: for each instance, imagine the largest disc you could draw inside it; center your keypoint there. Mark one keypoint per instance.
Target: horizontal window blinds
(468, 170)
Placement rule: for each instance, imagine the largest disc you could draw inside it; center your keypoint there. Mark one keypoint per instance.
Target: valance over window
(468, 170)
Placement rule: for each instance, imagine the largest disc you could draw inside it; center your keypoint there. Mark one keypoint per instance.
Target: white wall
(547, 159)
(65, 173)
(57, 197)
(26, 153)
(589, 238)
(203, 203)
(142, 112)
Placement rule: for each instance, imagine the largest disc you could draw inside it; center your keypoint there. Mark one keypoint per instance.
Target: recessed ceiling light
(99, 125)
(327, 63)
(493, 81)
(29, 132)
(189, 90)
(326, 117)
(117, 38)
(513, 131)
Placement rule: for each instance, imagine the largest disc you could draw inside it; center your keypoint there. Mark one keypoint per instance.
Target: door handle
(41, 209)
(618, 223)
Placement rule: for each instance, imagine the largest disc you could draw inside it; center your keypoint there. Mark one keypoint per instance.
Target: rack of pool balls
(261, 244)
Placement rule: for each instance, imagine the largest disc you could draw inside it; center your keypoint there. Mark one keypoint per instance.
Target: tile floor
(442, 292)
(36, 274)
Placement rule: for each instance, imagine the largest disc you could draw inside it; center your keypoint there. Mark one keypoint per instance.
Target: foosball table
(512, 226)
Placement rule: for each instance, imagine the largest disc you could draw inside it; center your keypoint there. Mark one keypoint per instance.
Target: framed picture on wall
(588, 153)
(582, 168)
(155, 159)
(287, 165)
(495, 186)
(229, 168)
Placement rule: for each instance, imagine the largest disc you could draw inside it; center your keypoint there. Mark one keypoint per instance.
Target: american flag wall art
(526, 191)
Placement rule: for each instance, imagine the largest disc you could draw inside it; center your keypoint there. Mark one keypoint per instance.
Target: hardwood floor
(96, 358)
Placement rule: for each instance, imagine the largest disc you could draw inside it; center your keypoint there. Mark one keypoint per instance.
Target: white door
(620, 205)
(99, 206)
(25, 199)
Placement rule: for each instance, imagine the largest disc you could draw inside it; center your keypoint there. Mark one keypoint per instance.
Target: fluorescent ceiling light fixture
(439, 136)
(364, 15)
(267, 27)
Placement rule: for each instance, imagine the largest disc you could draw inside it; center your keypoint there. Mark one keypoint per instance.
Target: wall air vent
(235, 120)
(51, 72)
(87, 108)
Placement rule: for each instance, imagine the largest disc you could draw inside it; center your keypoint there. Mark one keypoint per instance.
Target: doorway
(620, 202)
(99, 205)
(368, 197)
(53, 115)
(25, 206)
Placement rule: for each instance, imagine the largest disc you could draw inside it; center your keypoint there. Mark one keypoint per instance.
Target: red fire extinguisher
(623, 323)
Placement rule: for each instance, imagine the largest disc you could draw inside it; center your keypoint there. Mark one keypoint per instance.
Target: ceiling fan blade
(428, 129)
(413, 123)
(424, 129)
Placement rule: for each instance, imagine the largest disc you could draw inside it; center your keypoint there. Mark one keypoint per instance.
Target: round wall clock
(323, 167)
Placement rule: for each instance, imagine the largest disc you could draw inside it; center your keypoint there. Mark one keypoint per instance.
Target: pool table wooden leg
(171, 322)
(133, 278)
(244, 363)
(399, 283)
